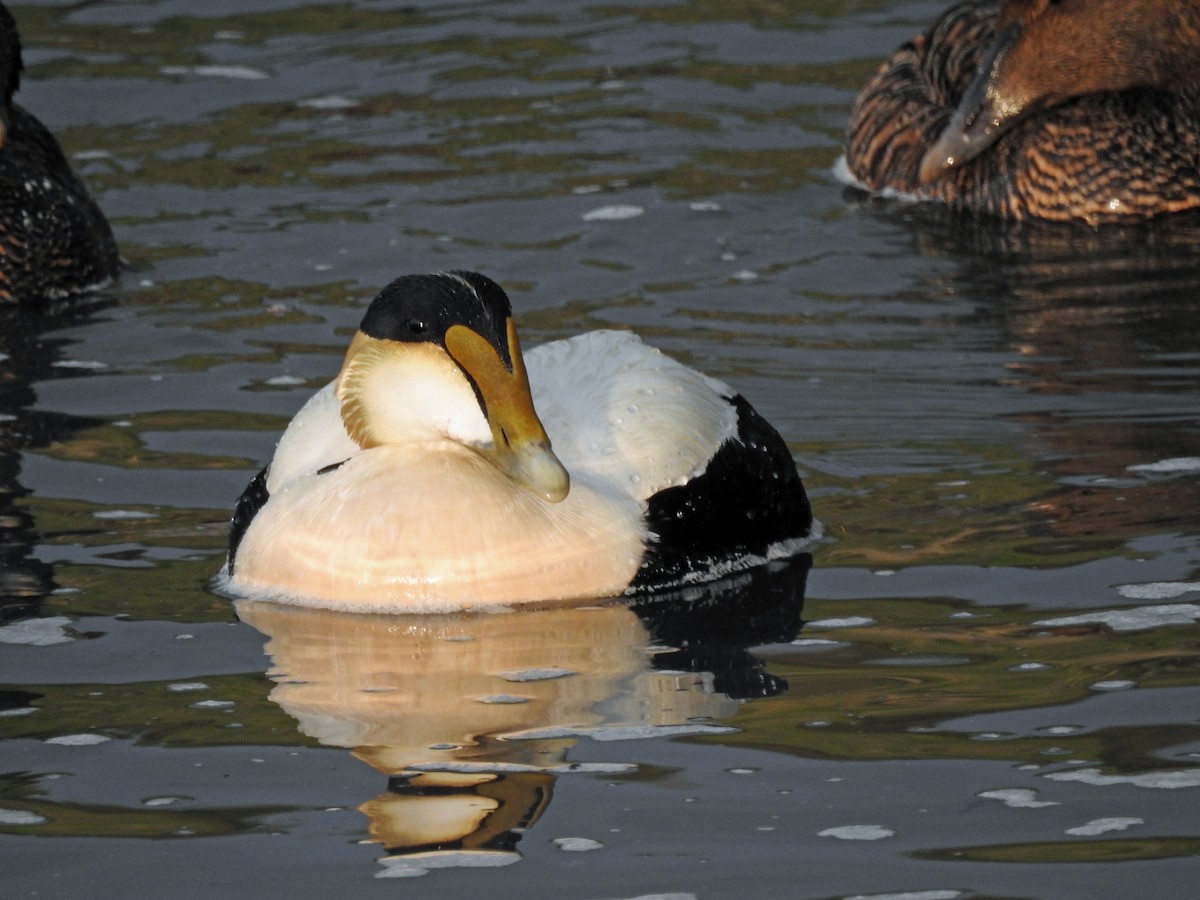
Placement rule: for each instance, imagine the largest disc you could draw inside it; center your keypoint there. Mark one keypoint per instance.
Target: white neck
(397, 393)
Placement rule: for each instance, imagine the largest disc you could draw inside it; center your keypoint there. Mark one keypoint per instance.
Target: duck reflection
(1106, 320)
(471, 716)
(27, 355)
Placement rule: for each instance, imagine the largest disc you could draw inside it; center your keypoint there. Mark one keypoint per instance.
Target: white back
(624, 411)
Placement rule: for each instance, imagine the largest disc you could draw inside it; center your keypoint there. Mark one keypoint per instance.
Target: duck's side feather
(253, 498)
(745, 507)
(315, 439)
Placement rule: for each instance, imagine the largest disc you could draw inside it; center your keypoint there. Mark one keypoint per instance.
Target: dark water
(997, 691)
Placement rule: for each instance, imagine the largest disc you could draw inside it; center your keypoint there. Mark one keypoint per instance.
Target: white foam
(1018, 798)
(416, 864)
(1180, 778)
(1115, 684)
(577, 844)
(848, 622)
(1101, 826)
(1157, 590)
(858, 832)
(20, 817)
(1173, 466)
(161, 801)
(613, 213)
(37, 632)
(1134, 619)
(841, 171)
(331, 102)
(243, 73)
(78, 740)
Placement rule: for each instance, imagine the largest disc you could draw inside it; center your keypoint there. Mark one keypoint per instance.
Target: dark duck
(443, 468)
(54, 240)
(1061, 110)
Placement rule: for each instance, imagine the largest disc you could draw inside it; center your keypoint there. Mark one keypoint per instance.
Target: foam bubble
(243, 73)
(1171, 466)
(1101, 826)
(1157, 590)
(1136, 619)
(416, 864)
(37, 632)
(577, 844)
(1181, 778)
(858, 832)
(78, 740)
(847, 622)
(613, 213)
(20, 817)
(1018, 798)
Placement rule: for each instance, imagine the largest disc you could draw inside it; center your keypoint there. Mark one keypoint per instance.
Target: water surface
(996, 689)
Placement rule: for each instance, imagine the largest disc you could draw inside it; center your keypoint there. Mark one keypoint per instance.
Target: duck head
(435, 358)
(1048, 51)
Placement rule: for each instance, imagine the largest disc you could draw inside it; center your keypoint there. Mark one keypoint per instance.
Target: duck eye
(417, 326)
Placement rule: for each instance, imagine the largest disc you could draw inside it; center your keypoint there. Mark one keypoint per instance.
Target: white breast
(418, 527)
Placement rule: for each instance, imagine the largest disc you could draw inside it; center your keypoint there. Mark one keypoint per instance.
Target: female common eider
(422, 477)
(1064, 110)
(54, 240)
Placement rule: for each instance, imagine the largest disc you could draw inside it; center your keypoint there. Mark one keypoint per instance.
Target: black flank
(749, 497)
(253, 498)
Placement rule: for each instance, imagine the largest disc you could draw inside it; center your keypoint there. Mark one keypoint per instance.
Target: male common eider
(422, 478)
(54, 240)
(1064, 110)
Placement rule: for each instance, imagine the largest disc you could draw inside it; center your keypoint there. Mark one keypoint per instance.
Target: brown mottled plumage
(54, 240)
(1034, 109)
